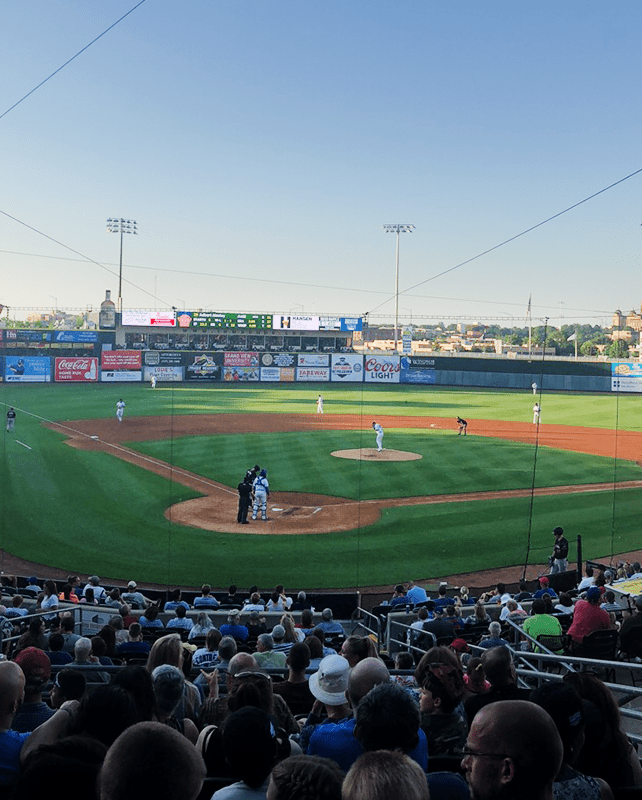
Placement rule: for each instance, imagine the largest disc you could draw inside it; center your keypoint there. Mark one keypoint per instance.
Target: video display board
(213, 319)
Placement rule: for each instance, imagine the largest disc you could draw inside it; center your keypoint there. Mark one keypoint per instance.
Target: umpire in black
(245, 499)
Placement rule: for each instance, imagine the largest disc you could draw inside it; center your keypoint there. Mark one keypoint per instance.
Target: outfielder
(120, 409)
(537, 410)
(261, 494)
(379, 431)
(11, 419)
(534, 387)
(153, 381)
(320, 404)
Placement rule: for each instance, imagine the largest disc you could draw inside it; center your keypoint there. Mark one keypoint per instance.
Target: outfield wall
(135, 366)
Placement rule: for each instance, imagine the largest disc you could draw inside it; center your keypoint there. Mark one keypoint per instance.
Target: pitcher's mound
(372, 454)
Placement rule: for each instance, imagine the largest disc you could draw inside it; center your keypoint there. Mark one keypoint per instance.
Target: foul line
(23, 444)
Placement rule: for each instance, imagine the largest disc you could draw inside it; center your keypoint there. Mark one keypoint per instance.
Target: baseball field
(155, 497)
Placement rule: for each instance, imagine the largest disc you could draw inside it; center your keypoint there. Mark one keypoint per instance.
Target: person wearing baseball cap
(588, 617)
(134, 598)
(36, 667)
(559, 558)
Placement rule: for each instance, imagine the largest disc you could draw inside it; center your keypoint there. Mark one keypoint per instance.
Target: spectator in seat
(544, 588)
(295, 690)
(442, 689)
(307, 622)
(443, 599)
(316, 651)
(301, 603)
(305, 778)
(399, 597)
(588, 617)
(207, 657)
(49, 599)
(329, 686)
(175, 600)
(207, 599)
(12, 686)
(513, 751)
(83, 659)
(385, 775)
(34, 711)
(292, 633)
(280, 643)
(169, 690)
(587, 581)
(266, 656)
(135, 645)
(564, 705)
(17, 609)
(328, 625)
(180, 620)
(97, 591)
(150, 618)
(151, 760)
(67, 627)
(494, 638)
(541, 624)
(34, 636)
(416, 594)
(480, 616)
(356, 648)
(232, 596)
(226, 652)
(56, 654)
(513, 612)
(475, 678)
(202, 626)
(254, 603)
(114, 599)
(69, 684)
(52, 765)
(406, 661)
(630, 623)
(234, 628)
(565, 604)
(255, 626)
(524, 592)
(500, 673)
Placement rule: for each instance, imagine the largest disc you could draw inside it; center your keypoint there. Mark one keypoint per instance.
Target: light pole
(121, 226)
(397, 228)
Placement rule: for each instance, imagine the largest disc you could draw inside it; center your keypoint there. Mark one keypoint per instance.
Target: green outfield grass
(302, 462)
(93, 513)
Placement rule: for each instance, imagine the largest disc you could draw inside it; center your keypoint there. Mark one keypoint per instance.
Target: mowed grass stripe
(302, 462)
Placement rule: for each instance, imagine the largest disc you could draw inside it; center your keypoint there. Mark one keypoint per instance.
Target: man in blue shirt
(416, 594)
(12, 689)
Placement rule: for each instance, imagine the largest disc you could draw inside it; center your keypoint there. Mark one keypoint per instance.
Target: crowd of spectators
(294, 710)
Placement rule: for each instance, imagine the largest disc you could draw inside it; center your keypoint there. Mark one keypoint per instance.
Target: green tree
(618, 349)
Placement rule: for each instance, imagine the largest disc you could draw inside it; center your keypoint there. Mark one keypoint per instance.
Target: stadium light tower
(397, 228)
(121, 226)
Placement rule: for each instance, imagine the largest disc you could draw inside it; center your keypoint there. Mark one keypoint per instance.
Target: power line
(512, 238)
(82, 255)
(248, 277)
(62, 66)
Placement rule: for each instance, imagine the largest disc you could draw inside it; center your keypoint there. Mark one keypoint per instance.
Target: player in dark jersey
(11, 419)
(462, 426)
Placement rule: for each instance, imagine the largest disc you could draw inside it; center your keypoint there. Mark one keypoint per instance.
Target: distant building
(618, 319)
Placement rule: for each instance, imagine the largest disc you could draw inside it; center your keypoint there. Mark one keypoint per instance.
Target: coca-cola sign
(380, 369)
(81, 369)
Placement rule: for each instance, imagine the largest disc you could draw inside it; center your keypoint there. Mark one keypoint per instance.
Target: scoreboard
(211, 319)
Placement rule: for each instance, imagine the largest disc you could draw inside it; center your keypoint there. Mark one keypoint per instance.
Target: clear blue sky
(263, 145)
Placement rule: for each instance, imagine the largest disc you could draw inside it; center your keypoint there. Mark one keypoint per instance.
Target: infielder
(379, 431)
(320, 404)
(462, 426)
(153, 381)
(11, 419)
(120, 409)
(537, 410)
(261, 493)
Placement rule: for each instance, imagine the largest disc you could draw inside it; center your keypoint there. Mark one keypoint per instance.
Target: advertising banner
(313, 374)
(271, 374)
(381, 369)
(241, 360)
(204, 367)
(240, 373)
(165, 374)
(19, 369)
(347, 369)
(75, 336)
(288, 374)
(120, 359)
(313, 360)
(295, 323)
(164, 358)
(27, 336)
(278, 359)
(124, 375)
(628, 369)
(626, 385)
(418, 370)
(80, 369)
(149, 319)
